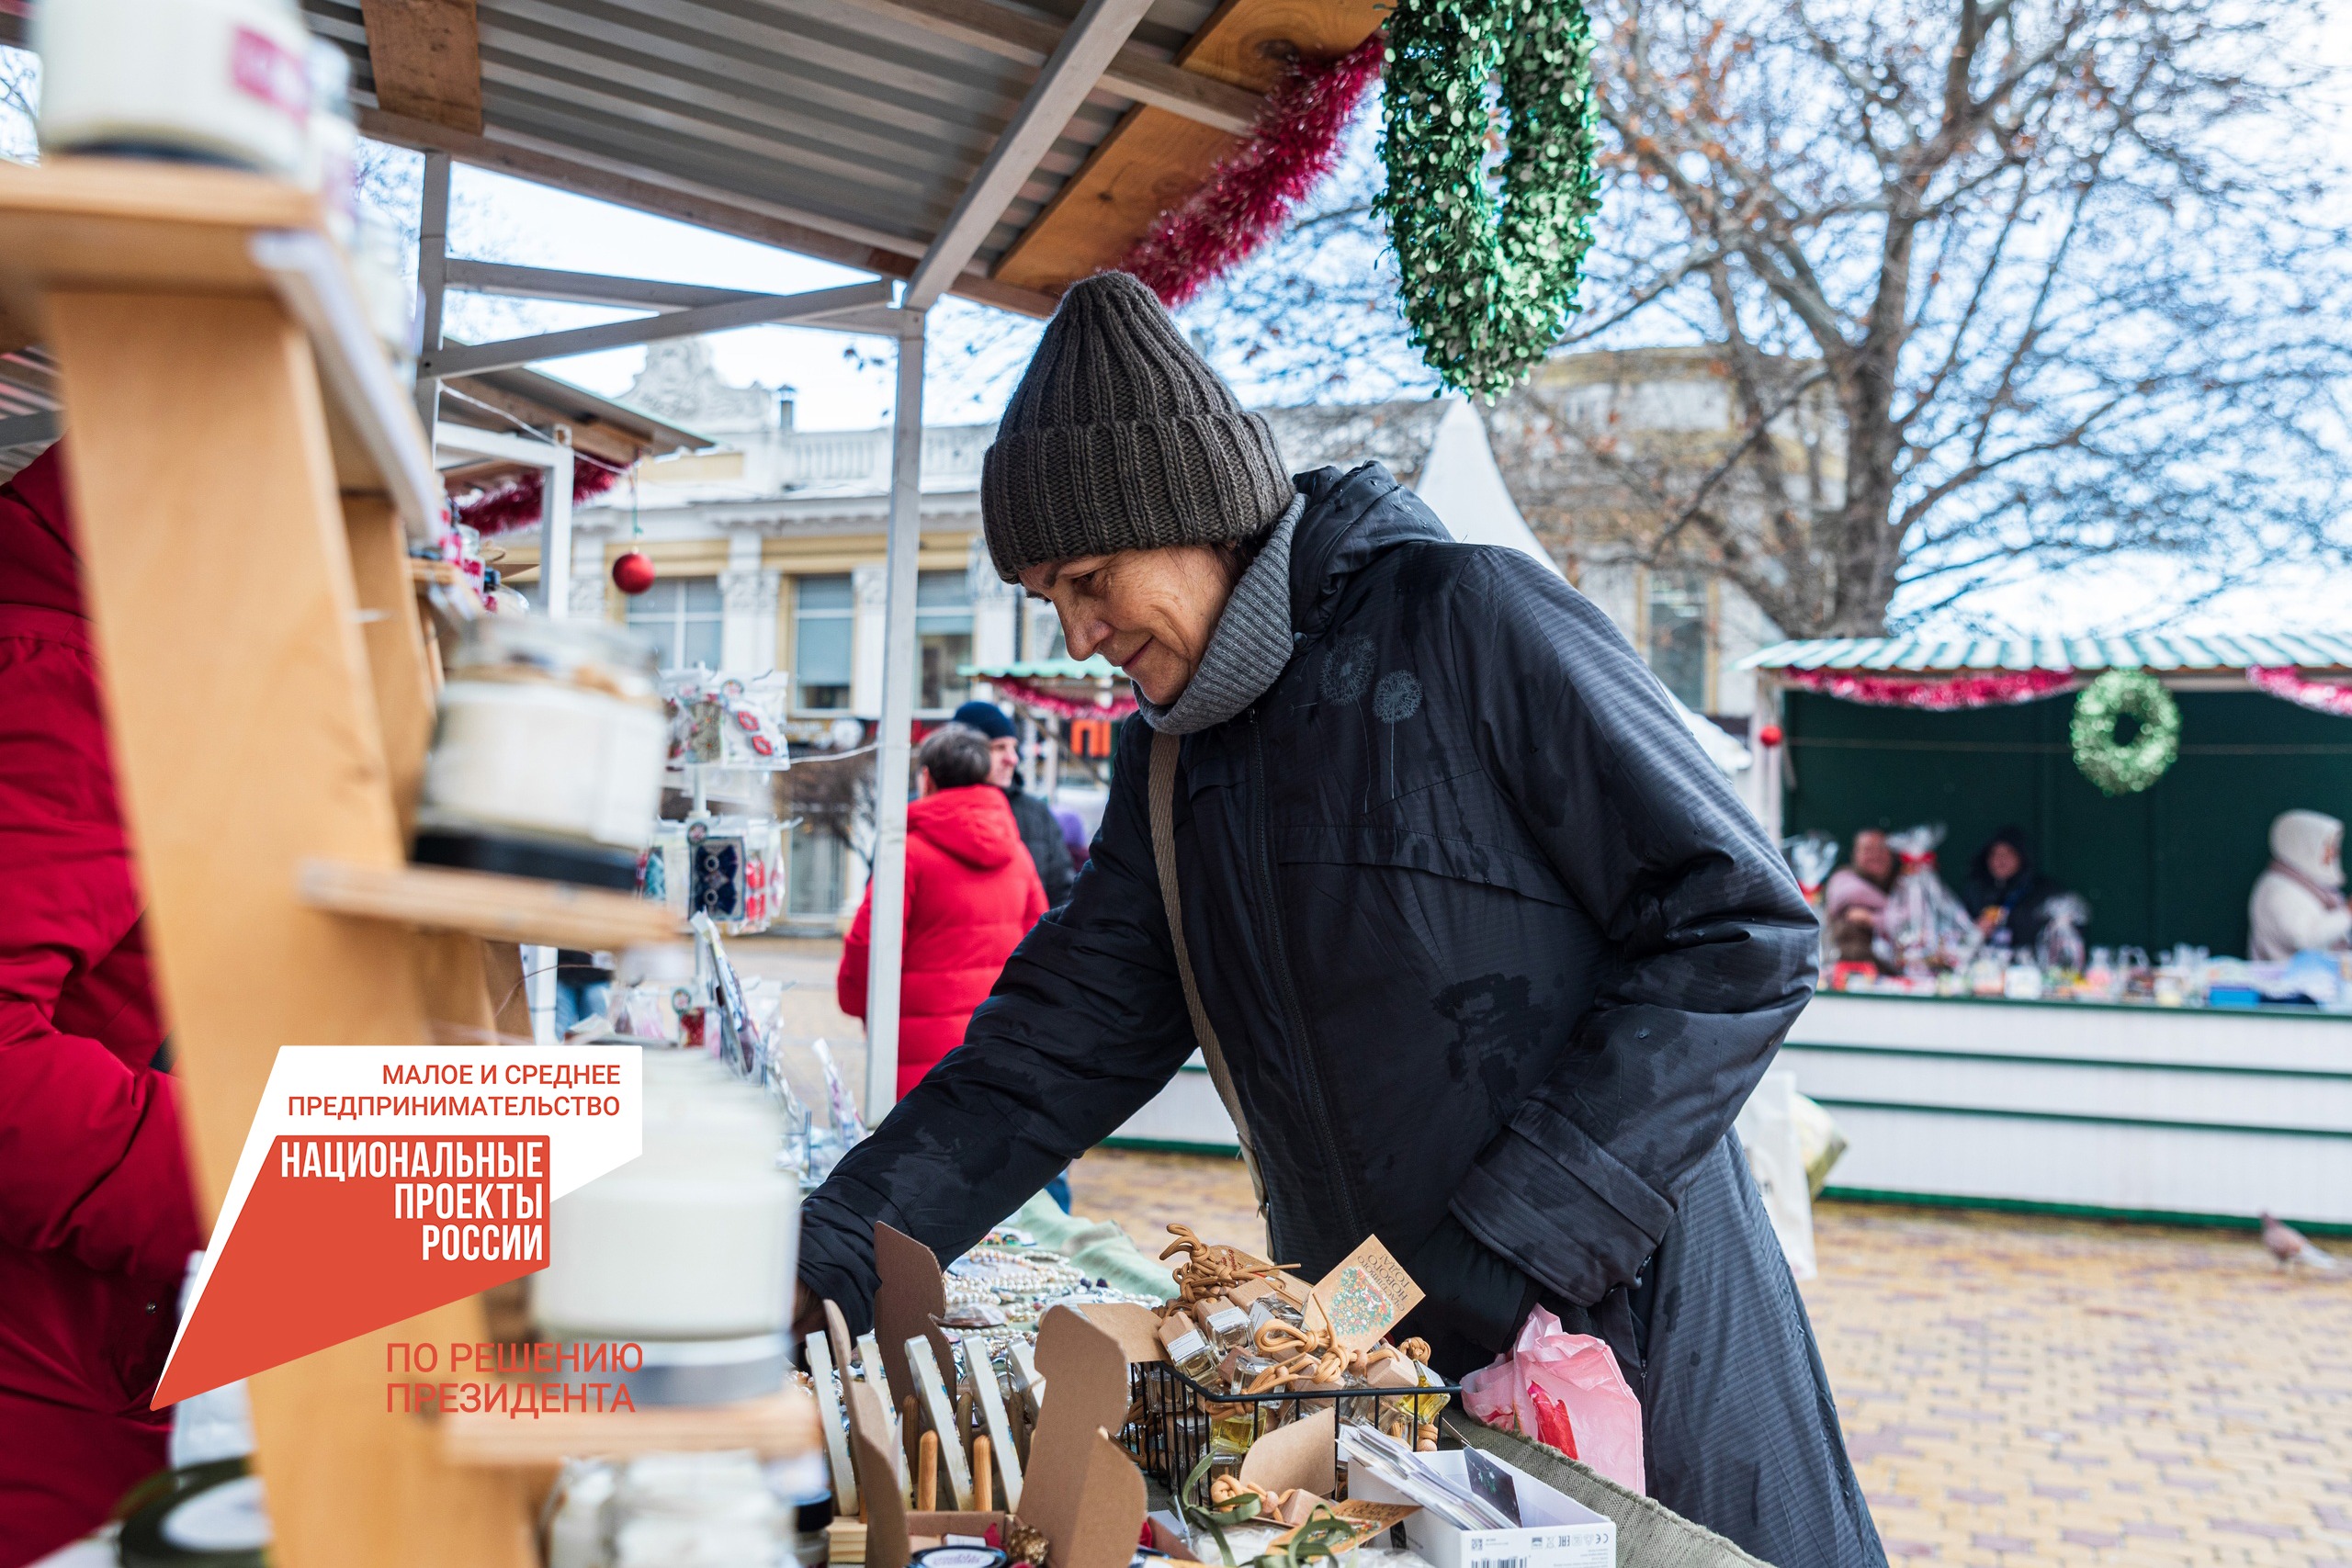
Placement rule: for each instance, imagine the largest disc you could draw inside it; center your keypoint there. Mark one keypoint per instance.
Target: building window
(681, 618)
(942, 637)
(1679, 639)
(824, 615)
(819, 872)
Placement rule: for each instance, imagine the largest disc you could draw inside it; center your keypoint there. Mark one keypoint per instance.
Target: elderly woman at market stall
(1488, 951)
(1856, 896)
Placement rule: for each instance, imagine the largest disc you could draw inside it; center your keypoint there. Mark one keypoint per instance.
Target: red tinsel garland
(1030, 695)
(1253, 187)
(517, 503)
(1939, 692)
(2290, 684)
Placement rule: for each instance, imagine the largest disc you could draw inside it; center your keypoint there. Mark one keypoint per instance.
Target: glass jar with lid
(200, 81)
(687, 1251)
(546, 759)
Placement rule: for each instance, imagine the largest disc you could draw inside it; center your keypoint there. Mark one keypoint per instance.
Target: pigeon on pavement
(2289, 1245)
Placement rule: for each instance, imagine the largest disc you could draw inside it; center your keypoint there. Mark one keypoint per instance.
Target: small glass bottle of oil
(1187, 1347)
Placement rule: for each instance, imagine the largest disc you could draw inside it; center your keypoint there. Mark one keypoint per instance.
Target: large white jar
(694, 1239)
(225, 81)
(548, 755)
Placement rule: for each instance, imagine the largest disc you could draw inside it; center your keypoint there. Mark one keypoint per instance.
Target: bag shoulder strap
(1165, 749)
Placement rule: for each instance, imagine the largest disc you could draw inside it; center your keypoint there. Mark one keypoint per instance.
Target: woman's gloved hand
(1474, 1292)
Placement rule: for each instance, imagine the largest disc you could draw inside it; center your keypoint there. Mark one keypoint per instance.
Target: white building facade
(769, 551)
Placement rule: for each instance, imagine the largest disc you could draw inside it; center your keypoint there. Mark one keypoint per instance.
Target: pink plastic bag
(1555, 1385)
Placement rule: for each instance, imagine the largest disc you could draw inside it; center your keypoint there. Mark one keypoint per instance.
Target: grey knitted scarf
(1248, 650)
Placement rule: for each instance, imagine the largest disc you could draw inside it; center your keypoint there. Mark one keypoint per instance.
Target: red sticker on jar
(262, 68)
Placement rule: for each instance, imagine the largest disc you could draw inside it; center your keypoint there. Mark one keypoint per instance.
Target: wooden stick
(927, 1472)
(931, 1388)
(983, 1475)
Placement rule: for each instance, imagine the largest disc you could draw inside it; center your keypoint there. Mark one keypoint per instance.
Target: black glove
(1475, 1293)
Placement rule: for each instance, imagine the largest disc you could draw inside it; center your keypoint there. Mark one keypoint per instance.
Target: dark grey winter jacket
(1481, 931)
(1041, 834)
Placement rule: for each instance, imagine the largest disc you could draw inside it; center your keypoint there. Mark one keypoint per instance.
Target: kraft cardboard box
(1082, 1490)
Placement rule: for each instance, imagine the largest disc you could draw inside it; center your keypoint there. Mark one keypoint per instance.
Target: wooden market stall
(1067, 710)
(251, 478)
(2111, 1107)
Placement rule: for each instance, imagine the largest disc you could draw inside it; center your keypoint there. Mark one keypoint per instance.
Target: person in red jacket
(96, 1219)
(972, 895)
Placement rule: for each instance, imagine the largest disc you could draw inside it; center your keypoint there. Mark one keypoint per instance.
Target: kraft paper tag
(1365, 1296)
(1370, 1519)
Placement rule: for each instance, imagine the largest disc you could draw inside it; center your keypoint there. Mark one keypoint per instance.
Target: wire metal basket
(1173, 1421)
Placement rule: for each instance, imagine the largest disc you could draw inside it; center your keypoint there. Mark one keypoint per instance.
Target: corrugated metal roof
(531, 390)
(836, 115)
(2141, 650)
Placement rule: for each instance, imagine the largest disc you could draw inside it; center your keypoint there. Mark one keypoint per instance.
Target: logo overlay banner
(381, 1181)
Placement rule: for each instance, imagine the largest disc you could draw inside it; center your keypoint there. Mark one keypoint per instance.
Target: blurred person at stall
(583, 986)
(1074, 837)
(1856, 896)
(1040, 831)
(97, 1218)
(972, 892)
(1041, 834)
(2298, 902)
(2006, 893)
(1487, 949)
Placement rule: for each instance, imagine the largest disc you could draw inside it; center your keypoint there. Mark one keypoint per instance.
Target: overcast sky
(845, 383)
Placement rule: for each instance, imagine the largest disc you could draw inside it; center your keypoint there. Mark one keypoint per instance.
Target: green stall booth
(2113, 1106)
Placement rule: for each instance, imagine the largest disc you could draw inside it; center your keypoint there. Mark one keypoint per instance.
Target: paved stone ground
(2018, 1390)
(2014, 1390)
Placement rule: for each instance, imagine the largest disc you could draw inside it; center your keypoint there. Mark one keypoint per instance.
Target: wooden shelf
(432, 573)
(127, 223)
(778, 1426)
(503, 909)
(114, 226)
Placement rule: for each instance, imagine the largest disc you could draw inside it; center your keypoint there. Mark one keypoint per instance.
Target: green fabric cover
(1649, 1535)
(1097, 1247)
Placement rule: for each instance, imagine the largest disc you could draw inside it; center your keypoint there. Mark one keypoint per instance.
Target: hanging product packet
(1811, 856)
(1923, 925)
(1564, 1389)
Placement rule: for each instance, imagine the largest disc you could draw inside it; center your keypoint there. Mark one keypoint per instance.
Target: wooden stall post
(246, 739)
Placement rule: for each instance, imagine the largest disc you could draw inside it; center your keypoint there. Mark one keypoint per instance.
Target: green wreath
(1488, 278)
(2125, 767)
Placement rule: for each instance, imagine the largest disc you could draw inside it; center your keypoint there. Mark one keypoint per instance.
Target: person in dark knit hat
(1041, 830)
(1481, 950)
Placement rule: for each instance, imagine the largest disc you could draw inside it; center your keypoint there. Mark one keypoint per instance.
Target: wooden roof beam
(1152, 158)
(1013, 33)
(426, 56)
(1077, 65)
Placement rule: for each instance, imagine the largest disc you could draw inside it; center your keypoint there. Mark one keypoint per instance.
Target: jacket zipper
(1295, 1015)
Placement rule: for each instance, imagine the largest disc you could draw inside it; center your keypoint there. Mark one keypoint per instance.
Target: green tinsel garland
(2125, 767)
(1489, 283)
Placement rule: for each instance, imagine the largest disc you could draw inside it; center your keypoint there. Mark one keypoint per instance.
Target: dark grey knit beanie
(1120, 437)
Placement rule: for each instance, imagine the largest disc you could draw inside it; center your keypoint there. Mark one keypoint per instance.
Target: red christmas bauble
(1770, 735)
(632, 573)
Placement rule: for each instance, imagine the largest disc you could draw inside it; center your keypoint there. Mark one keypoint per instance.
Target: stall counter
(2113, 1108)
(2117, 1108)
